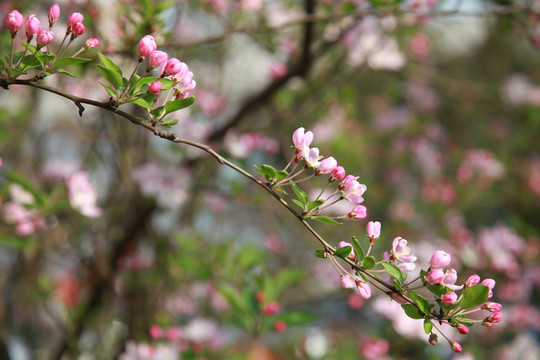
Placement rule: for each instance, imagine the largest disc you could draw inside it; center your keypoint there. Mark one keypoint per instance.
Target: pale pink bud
(363, 289)
(347, 282)
(440, 259)
(14, 21)
(327, 166)
(433, 339)
(78, 29)
(32, 25)
(44, 37)
(271, 308)
(472, 280)
(173, 333)
(348, 179)
(146, 46)
(490, 283)
(449, 298)
(492, 306)
(54, 13)
(73, 19)
(359, 212)
(157, 58)
(450, 277)
(435, 276)
(373, 230)
(156, 332)
(494, 317)
(463, 329)
(173, 66)
(155, 87)
(91, 43)
(455, 347)
(301, 139)
(338, 174)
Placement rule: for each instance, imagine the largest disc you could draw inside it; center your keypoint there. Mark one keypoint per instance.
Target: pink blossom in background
(274, 244)
(355, 301)
(392, 119)
(481, 164)
(421, 96)
(502, 245)
(371, 348)
(67, 290)
(82, 195)
(241, 146)
(420, 46)
(210, 104)
(59, 169)
(278, 70)
(251, 5)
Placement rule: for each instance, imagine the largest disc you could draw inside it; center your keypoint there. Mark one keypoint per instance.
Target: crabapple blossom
(173, 66)
(433, 339)
(74, 18)
(82, 195)
(280, 326)
(14, 22)
(77, 29)
(363, 289)
(156, 332)
(271, 308)
(301, 139)
(345, 244)
(146, 46)
(450, 278)
(373, 230)
(347, 282)
(91, 43)
(32, 25)
(157, 59)
(490, 283)
(173, 333)
(155, 87)
(353, 192)
(327, 166)
(401, 254)
(278, 70)
(54, 14)
(44, 37)
(492, 306)
(455, 347)
(359, 212)
(494, 317)
(449, 298)
(463, 329)
(348, 179)
(472, 280)
(440, 259)
(311, 156)
(337, 174)
(435, 276)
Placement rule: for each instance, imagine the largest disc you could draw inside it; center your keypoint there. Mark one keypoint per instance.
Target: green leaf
(313, 204)
(30, 62)
(157, 112)
(2, 64)
(438, 290)
(109, 89)
(64, 72)
(44, 59)
(31, 48)
(236, 301)
(167, 84)
(113, 77)
(270, 172)
(474, 296)
(368, 262)
(15, 72)
(298, 203)
(109, 64)
(70, 61)
(393, 271)
(320, 253)
(296, 318)
(343, 252)
(412, 311)
(325, 220)
(428, 326)
(288, 277)
(146, 101)
(175, 105)
(422, 303)
(358, 250)
(144, 82)
(169, 122)
(302, 196)
(282, 174)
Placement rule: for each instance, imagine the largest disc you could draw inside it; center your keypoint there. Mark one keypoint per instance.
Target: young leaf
(30, 62)
(15, 72)
(65, 72)
(167, 84)
(282, 174)
(108, 64)
(114, 78)
(31, 48)
(70, 61)
(296, 318)
(368, 262)
(412, 311)
(45, 59)
(157, 112)
(302, 196)
(271, 173)
(313, 204)
(146, 101)
(299, 204)
(169, 122)
(325, 220)
(175, 105)
(320, 253)
(358, 250)
(422, 303)
(428, 326)
(109, 89)
(343, 252)
(474, 296)
(393, 271)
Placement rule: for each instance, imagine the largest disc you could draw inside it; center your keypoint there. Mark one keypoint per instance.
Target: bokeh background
(434, 104)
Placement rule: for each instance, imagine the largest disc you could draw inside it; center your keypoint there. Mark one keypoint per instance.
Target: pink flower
(492, 306)
(494, 317)
(44, 37)
(348, 179)
(472, 280)
(433, 339)
(78, 29)
(82, 195)
(449, 298)
(146, 46)
(32, 25)
(463, 329)
(91, 43)
(373, 348)
(301, 139)
(338, 174)
(363, 289)
(359, 212)
(54, 13)
(450, 278)
(155, 87)
(435, 276)
(347, 282)
(73, 19)
(157, 58)
(400, 253)
(373, 230)
(327, 166)
(271, 308)
(490, 283)
(14, 22)
(311, 157)
(173, 333)
(353, 191)
(156, 332)
(440, 259)
(455, 347)
(173, 66)
(280, 326)
(278, 70)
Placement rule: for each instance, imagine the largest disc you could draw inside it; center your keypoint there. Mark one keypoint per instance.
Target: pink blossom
(74, 18)
(14, 22)
(82, 195)
(400, 252)
(359, 212)
(449, 298)
(373, 230)
(492, 306)
(435, 276)
(338, 174)
(173, 66)
(363, 289)
(433, 339)
(348, 179)
(472, 280)
(327, 166)
(44, 37)
(301, 139)
(490, 283)
(353, 191)
(32, 25)
(463, 329)
(440, 259)
(155, 87)
(278, 70)
(450, 278)
(173, 333)
(54, 14)
(67, 290)
(355, 301)
(78, 29)
(494, 317)
(280, 326)
(91, 43)
(271, 308)
(373, 348)
(156, 332)
(455, 347)
(311, 157)
(146, 46)
(347, 282)
(157, 59)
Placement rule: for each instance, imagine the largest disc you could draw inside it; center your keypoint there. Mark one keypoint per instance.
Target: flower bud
(173, 66)
(78, 29)
(363, 289)
(494, 317)
(280, 326)
(155, 87)
(488, 324)
(338, 174)
(91, 43)
(73, 19)
(157, 58)
(455, 346)
(449, 298)
(32, 25)
(14, 22)
(54, 14)
(271, 308)
(373, 230)
(44, 37)
(463, 329)
(260, 296)
(146, 46)
(327, 166)
(433, 339)
(490, 283)
(472, 280)
(347, 282)
(359, 212)
(435, 276)
(348, 179)
(492, 306)
(440, 259)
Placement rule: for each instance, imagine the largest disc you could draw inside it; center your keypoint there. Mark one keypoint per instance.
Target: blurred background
(434, 104)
